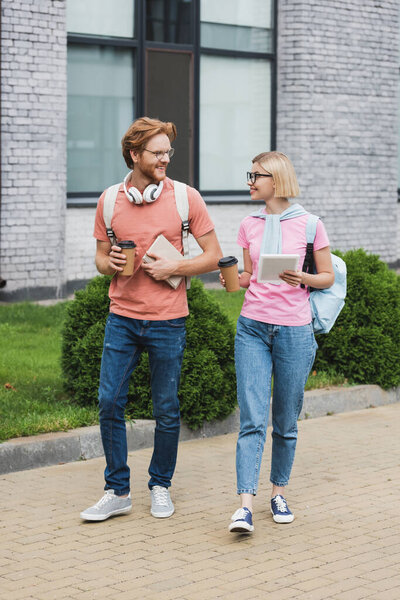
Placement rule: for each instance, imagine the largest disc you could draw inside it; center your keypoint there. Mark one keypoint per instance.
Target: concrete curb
(85, 443)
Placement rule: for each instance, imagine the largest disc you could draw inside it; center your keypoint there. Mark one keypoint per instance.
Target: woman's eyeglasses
(252, 177)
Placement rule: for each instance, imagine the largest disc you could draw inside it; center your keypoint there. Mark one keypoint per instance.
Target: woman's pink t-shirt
(278, 304)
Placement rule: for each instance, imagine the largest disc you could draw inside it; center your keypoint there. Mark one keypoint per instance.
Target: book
(162, 247)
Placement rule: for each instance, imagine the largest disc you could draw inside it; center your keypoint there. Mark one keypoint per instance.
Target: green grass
(31, 396)
(231, 302)
(32, 400)
(321, 379)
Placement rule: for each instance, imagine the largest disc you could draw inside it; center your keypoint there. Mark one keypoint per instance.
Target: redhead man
(145, 312)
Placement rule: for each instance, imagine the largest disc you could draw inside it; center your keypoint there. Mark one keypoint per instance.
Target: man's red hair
(140, 132)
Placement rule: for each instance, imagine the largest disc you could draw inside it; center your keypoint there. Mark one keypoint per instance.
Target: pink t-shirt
(140, 296)
(278, 304)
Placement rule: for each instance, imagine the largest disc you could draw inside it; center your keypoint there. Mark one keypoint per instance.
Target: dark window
(168, 97)
(169, 21)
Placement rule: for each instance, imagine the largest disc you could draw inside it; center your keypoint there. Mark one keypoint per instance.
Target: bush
(364, 344)
(208, 384)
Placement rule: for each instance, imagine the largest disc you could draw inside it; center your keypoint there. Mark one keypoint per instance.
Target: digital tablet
(271, 265)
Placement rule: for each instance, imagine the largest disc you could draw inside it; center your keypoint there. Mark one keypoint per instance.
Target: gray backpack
(182, 206)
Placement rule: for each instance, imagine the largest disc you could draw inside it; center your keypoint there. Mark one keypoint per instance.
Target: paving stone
(338, 547)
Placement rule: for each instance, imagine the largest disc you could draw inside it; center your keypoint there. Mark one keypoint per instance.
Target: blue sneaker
(241, 521)
(280, 510)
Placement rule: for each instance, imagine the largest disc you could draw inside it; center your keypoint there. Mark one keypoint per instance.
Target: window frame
(139, 46)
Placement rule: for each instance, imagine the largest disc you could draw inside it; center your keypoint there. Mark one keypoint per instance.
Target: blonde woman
(274, 334)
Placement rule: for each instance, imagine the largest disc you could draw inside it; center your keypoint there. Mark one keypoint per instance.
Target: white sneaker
(280, 510)
(161, 503)
(108, 506)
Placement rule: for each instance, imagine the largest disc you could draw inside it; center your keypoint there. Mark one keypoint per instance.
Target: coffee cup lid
(227, 261)
(127, 244)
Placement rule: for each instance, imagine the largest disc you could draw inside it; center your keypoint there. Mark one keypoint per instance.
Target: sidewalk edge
(85, 443)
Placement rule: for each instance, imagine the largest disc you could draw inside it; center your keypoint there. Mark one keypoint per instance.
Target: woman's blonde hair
(280, 166)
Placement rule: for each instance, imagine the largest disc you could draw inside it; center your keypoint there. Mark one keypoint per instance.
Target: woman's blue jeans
(261, 351)
(124, 341)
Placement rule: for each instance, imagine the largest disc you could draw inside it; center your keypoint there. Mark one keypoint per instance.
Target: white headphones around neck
(150, 194)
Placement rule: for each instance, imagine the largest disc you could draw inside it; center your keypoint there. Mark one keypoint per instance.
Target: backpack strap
(311, 230)
(108, 210)
(182, 206)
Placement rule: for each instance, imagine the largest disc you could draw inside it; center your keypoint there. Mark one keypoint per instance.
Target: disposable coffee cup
(128, 248)
(228, 266)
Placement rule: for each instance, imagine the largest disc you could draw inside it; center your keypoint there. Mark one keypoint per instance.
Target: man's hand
(109, 259)
(161, 268)
(117, 261)
(293, 278)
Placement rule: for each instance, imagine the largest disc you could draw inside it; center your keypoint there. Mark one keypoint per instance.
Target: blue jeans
(263, 350)
(124, 341)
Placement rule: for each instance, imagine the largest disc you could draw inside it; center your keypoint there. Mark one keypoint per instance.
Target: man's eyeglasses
(252, 177)
(160, 154)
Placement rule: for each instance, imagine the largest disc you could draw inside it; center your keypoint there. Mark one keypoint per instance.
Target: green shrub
(364, 344)
(208, 385)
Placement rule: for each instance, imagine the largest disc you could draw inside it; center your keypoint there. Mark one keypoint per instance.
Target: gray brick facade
(33, 153)
(337, 106)
(338, 69)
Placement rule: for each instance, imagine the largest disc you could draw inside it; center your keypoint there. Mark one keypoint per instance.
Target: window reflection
(237, 25)
(100, 108)
(96, 17)
(235, 119)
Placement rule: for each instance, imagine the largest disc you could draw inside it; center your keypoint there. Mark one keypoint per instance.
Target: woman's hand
(244, 279)
(323, 278)
(293, 278)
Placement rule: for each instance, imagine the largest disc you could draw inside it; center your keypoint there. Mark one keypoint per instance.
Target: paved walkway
(344, 543)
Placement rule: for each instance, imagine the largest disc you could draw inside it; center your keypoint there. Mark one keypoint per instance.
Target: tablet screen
(271, 265)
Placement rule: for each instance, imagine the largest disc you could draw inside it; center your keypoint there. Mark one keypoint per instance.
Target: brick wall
(338, 65)
(80, 246)
(33, 153)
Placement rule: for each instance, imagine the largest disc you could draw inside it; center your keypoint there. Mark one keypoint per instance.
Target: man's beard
(152, 173)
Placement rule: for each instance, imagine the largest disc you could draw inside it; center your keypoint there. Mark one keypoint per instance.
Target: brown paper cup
(229, 270)
(128, 248)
